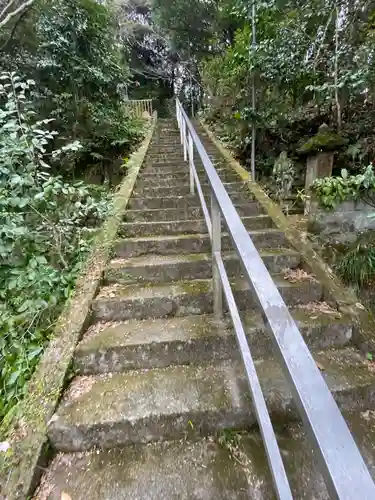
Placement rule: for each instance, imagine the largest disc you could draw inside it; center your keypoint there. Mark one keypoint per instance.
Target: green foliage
(357, 266)
(60, 113)
(330, 191)
(45, 229)
(312, 64)
(74, 58)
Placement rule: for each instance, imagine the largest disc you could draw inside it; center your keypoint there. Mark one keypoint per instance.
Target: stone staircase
(160, 408)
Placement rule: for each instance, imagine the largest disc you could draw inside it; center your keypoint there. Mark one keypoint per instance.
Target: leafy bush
(81, 67)
(357, 266)
(330, 191)
(45, 227)
(71, 48)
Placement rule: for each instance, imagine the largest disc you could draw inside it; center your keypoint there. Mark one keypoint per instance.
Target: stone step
(230, 466)
(191, 400)
(160, 154)
(134, 229)
(161, 157)
(174, 168)
(167, 268)
(124, 302)
(163, 162)
(198, 339)
(192, 243)
(174, 200)
(176, 148)
(184, 189)
(178, 178)
(185, 212)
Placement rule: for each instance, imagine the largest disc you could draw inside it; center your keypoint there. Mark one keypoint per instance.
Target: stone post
(319, 165)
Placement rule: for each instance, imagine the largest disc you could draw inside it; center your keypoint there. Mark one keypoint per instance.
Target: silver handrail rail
(343, 468)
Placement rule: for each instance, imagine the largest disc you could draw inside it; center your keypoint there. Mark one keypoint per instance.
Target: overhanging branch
(14, 13)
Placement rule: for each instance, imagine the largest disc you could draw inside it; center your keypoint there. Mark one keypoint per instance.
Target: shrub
(45, 227)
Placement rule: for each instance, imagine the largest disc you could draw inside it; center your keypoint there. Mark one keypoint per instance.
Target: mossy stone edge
(335, 291)
(20, 473)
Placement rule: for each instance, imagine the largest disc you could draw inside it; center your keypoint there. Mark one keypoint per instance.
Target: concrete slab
(184, 212)
(231, 468)
(184, 189)
(158, 179)
(123, 302)
(176, 199)
(167, 268)
(192, 401)
(158, 343)
(192, 243)
(140, 228)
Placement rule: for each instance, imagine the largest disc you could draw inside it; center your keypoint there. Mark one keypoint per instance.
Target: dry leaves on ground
(297, 275)
(320, 308)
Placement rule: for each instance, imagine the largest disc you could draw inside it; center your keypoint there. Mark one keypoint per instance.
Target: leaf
(369, 356)
(65, 496)
(4, 446)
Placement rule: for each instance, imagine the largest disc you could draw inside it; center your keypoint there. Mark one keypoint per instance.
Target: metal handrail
(345, 473)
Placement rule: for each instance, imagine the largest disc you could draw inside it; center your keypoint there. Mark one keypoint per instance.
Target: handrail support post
(184, 130)
(191, 160)
(217, 287)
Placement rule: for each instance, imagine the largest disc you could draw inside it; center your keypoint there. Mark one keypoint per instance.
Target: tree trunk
(337, 97)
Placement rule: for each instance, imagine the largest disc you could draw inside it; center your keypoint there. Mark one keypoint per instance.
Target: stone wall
(345, 223)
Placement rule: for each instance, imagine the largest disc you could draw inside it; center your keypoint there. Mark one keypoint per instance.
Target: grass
(357, 266)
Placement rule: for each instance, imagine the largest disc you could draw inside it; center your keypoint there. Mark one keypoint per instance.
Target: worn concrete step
(123, 302)
(175, 168)
(179, 178)
(192, 243)
(161, 154)
(184, 189)
(230, 466)
(185, 212)
(191, 400)
(167, 268)
(165, 164)
(134, 229)
(162, 160)
(198, 339)
(174, 200)
(177, 147)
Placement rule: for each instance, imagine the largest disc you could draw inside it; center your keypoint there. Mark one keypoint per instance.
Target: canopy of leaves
(71, 50)
(313, 63)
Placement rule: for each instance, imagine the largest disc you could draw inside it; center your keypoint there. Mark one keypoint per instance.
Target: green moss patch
(324, 140)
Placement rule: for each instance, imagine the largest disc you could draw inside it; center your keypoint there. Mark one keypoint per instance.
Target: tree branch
(7, 7)
(19, 10)
(337, 98)
(14, 29)
(323, 38)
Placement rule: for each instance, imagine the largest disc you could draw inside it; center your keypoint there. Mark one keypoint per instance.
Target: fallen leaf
(65, 496)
